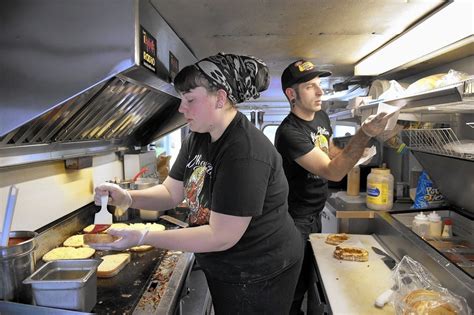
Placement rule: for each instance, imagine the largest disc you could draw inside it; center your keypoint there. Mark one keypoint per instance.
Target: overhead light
(446, 29)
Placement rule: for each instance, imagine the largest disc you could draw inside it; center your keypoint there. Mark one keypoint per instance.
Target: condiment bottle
(353, 182)
(380, 189)
(435, 224)
(447, 228)
(421, 225)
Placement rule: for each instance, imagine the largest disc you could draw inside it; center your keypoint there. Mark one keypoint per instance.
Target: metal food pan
(68, 284)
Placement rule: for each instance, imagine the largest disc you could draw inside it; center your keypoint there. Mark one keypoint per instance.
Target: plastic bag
(394, 91)
(426, 194)
(417, 291)
(436, 81)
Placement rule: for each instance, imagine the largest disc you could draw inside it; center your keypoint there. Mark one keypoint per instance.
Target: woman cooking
(232, 179)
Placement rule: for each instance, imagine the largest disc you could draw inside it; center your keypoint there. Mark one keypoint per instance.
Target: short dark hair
(190, 78)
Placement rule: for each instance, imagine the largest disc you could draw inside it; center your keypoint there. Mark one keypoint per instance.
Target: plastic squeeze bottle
(421, 225)
(435, 224)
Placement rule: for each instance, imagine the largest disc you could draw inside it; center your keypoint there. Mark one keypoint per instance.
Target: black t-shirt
(240, 174)
(294, 138)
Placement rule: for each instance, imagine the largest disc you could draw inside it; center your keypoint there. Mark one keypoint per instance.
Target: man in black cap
(309, 159)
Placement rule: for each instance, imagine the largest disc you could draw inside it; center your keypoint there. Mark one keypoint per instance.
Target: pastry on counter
(68, 253)
(336, 239)
(351, 253)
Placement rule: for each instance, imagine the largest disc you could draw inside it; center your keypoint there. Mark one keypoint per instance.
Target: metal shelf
(442, 141)
(455, 98)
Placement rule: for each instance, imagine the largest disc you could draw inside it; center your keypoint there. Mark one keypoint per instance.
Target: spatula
(103, 218)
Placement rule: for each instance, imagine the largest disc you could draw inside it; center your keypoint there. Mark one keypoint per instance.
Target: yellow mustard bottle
(380, 189)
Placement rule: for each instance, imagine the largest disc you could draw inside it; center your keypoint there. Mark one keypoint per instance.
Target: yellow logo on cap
(305, 66)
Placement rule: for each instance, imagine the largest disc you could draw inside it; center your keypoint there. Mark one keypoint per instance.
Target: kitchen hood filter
(106, 112)
(99, 79)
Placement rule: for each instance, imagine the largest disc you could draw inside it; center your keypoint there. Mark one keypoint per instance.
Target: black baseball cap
(300, 71)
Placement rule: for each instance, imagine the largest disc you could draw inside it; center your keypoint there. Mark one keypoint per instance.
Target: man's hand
(375, 124)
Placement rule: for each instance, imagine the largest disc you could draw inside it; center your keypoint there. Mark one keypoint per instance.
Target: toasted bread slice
(351, 253)
(112, 265)
(68, 253)
(99, 238)
(336, 239)
(74, 241)
(141, 248)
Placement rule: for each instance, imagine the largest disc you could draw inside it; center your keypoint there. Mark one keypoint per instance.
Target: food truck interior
(86, 97)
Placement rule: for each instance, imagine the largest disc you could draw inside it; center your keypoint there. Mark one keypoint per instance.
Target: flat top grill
(121, 293)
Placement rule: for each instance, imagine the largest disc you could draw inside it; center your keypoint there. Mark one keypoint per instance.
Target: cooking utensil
(174, 221)
(103, 218)
(388, 260)
(7, 222)
(383, 298)
(69, 284)
(141, 172)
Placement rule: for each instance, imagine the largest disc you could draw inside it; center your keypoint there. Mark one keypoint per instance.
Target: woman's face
(198, 107)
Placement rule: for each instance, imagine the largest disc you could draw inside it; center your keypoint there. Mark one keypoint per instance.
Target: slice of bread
(74, 241)
(141, 248)
(112, 265)
(336, 239)
(99, 238)
(351, 253)
(149, 226)
(68, 253)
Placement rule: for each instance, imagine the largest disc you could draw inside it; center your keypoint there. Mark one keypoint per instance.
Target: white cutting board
(352, 286)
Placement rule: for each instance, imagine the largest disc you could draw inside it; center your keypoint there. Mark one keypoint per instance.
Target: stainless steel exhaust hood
(86, 73)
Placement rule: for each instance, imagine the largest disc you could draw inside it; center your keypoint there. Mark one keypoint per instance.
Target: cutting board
(352, 287)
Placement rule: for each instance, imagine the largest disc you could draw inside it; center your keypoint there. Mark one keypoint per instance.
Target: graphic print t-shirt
(294, 138)
(240, 174)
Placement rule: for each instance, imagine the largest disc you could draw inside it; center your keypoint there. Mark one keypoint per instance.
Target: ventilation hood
(86, 73)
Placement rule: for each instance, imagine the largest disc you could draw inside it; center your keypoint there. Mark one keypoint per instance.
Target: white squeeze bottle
(435, 224)
(421, 225)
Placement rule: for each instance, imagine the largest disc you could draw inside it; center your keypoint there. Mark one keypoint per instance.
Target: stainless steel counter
(399, 240)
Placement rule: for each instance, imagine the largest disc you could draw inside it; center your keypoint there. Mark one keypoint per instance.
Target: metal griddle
(121, 293)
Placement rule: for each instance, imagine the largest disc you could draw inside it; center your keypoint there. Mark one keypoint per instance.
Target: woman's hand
(126, 238)
(117, 196)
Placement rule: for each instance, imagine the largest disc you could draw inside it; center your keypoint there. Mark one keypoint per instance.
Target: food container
(143, 183)
(68, 284)
(379, 189)
(16, 263)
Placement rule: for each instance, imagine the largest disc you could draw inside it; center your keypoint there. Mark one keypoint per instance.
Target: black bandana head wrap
(242, 77)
